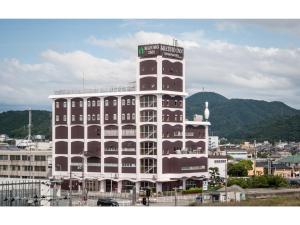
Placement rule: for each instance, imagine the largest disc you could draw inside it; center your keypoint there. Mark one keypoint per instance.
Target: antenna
(29, 124)
(83, 80)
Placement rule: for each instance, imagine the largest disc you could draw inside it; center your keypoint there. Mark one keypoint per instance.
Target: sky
(250, 59)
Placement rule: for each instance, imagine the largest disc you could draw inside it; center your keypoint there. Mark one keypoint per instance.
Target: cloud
(33, 83)
(235, 71)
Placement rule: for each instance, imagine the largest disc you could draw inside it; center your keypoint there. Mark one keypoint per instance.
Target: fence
(20, 193)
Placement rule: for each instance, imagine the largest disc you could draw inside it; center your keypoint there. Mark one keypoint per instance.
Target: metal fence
(20, 193)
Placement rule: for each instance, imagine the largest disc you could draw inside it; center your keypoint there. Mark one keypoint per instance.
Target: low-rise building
(22, 163)
(282, 170)
(213, 142)
(218, 161)
(258, 168)
(238, 154)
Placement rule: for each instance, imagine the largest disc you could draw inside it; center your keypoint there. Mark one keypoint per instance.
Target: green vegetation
(239, 169)
(266, 181)
(246, 119)
(14, 123)
(215, 177)
(192, 191)
(275, 201)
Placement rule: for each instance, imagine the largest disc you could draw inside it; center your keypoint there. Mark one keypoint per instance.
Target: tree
(247, 163)
(237, 170)
(214, 176)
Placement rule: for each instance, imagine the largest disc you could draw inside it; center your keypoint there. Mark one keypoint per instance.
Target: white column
(102, 133)
(137, 186)
(85, 135)
(53, 138)
(69, 132)
(159, 73)
(159, 137)
(137, 122)
(102, 186)
(119, 137)
(158, 187)
(119, 186)
(184, 184)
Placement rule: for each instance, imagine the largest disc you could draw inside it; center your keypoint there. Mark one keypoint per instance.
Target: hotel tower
(118, 138)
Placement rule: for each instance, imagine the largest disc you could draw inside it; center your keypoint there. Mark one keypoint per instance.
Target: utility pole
(226, 175)
(70, 197)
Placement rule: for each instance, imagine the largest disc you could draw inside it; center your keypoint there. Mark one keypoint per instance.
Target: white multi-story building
(218, 161)
(138, 136)
(213, 142)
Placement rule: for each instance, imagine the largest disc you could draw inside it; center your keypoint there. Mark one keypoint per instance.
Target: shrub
(192, 191)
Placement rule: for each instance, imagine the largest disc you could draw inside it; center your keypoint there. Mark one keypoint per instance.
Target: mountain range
(234, 119)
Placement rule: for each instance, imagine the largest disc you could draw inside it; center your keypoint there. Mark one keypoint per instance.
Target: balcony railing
(96, 90)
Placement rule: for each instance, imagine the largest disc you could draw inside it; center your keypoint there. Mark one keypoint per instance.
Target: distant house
(238, 154)
(282, 170)
(3, 137)
(258, 168)
(292, 161)
(234, 194)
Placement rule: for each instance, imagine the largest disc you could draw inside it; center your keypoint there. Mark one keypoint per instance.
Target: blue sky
(226, 56)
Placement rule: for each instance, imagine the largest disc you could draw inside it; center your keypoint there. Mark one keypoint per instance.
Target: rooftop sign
(167, 51)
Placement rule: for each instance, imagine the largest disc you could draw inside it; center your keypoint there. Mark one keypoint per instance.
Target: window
(133, 116)
(133, 102)
(93, 103)
(15, 157)
(175, 117)
(40, 168)
(65, 104)
(89, 117)
(98, 103)
(123, 101)
(106, 103)
(39, 158)
(73, 104)
(25, 158)
(57, 105)
(180, 103)
(57, 118)
(115, 102)
(180, 118)
(175, 102)
(80, 104)
(123, 116)
(148, 101)
(106, 116)
(73, 117)
(3, 157)
(80, 118)
(115, 117)
(128, 101)
(65, 118)
(98, 116)
(27, 168)
(128, 116)
(148, 165)
(93, 117)
(88, 103)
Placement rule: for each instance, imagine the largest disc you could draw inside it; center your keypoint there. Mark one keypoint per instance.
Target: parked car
(107, 202)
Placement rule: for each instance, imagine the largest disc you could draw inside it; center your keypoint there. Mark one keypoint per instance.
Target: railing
(148, 104)
(128, 149)
(96, 90)
(149, 135)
